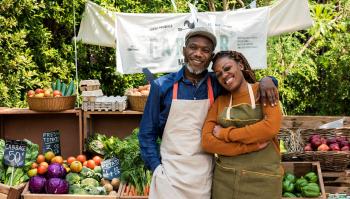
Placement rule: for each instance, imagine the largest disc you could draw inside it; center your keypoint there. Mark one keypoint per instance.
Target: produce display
(52, 175)
(305, 186)
(318, 143)
(140, 91)
(20, 173)
(133, 171)
(57, 89)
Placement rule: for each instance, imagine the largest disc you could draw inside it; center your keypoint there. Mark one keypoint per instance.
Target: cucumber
(63, 89)
(53, 86)
(69, 91)
(58, 85)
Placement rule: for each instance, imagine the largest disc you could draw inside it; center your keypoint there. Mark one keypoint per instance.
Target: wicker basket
(51, 104)
(329, 160)
(137, 103)
(292, 142)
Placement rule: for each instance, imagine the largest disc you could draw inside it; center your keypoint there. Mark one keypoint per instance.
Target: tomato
(34, 165)
(49, 155)
(81, 158)
(45, 164)
(85, 164)
(90, 164)
(76, 166)
(40, 159)
(41, 169)
(97, 160)
(71, 159)
(32, 172)
(57, 159)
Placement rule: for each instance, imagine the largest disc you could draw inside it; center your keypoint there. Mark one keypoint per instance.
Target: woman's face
(229, 73)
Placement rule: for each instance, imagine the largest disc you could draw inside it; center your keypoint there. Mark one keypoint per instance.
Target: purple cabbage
(56, 170)
(56, 186)
(37, 184)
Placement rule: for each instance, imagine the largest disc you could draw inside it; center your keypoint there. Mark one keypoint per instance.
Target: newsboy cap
(201, 31)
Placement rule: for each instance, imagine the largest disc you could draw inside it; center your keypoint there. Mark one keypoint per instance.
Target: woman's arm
(212, 144)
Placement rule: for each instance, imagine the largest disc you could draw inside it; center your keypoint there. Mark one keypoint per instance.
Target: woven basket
(329, 160)
(292, 142)
(51, 104)
(137, 103)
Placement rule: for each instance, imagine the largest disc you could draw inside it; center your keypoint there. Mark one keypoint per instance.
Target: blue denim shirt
(158, 106)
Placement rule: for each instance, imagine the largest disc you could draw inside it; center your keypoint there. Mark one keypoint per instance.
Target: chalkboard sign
(51, 142)
(15, 153)
(110, 168)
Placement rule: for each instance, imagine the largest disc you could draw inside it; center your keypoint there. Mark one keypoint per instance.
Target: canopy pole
(76, 56)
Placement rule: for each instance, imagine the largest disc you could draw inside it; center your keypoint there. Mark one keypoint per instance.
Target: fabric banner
(155, 41)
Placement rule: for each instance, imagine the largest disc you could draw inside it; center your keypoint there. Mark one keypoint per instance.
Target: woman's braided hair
(248, 73)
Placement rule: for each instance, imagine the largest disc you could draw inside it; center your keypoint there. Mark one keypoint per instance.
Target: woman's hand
(216, 132)
(268, 91)
(263, 145)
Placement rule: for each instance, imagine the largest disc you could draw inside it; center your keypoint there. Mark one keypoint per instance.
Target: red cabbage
(56, 186)
(37, 184)
(56, 170)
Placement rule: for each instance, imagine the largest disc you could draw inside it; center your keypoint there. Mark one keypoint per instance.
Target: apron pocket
(224, 181)
(260, 185)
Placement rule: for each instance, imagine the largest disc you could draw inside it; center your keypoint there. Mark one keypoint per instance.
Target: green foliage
(37, 48)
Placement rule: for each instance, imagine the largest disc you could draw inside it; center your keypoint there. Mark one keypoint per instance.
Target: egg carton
(104, 103)
(89, 85)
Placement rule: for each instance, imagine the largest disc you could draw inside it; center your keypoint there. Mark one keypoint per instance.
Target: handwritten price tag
(51, 142)
(110, 168)
(15, 153)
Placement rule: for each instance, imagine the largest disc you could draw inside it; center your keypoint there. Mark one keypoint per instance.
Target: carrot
(127, 190)
(132, 191)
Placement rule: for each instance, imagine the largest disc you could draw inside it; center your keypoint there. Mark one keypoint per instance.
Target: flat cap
(201, 31)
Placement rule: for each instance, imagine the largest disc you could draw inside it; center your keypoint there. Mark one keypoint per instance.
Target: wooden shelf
(20, 111)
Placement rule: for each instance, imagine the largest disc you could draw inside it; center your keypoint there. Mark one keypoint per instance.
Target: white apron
(186, 170)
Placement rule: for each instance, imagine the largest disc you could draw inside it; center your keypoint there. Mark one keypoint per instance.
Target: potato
(115, 183)
(108, 187)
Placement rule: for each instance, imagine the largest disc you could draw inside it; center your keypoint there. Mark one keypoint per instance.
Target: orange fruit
(90, 164)
(71, 159)
(49, 155)
(57, 159)
(34, 165)
(81, 158)
(40, 159)
(97, 160)
(45, 164)
(76, 166)
(41, 169)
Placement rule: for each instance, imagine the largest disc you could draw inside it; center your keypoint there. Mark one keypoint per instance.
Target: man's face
(198, 53)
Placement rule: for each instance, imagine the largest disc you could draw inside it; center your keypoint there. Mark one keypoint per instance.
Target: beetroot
(316, 142)
(341, 138)
(323, 147)
(334, 147)
(323, 140)
(331, 140)
(314, 136)
(344, 143)
(345, 148)
(308, 147)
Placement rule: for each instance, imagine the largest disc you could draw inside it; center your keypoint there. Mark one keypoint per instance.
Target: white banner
(155, 41)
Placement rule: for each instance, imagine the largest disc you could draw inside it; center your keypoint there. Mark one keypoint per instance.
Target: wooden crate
(337, 182)
(11, 192)
(27, 195)
(301, 168)
(121, 190)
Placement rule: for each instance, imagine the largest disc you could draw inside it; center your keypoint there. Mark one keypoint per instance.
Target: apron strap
(210, 90)
(252, 101)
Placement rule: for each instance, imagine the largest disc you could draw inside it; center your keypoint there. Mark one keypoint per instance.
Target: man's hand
(216, 132)
(263, 145)
(268, 91)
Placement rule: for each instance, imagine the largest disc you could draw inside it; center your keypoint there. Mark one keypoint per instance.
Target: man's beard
(193, 71)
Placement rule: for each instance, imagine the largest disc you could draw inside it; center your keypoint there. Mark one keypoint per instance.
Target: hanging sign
(15, 153)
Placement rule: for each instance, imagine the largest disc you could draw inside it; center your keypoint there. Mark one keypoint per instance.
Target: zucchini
(53, 86)
(69, 91)
(58, 85)
(63, 89)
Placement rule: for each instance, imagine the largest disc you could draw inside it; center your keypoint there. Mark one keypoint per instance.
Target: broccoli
(89, 182)
(73, 178)
(86, 173)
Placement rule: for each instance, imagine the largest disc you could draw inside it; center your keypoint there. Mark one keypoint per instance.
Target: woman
(243, 135)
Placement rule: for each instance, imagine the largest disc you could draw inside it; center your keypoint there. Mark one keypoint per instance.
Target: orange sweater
(236, 141)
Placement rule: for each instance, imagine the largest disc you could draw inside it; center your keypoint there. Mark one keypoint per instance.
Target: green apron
(255, 175)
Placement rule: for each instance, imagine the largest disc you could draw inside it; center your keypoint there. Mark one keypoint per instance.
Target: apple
(47, 93)
(39, 95)
(39, 90)
(57, 93)
(30, 93)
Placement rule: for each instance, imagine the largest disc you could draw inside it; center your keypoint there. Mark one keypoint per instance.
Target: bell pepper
(311, 177)
(290, 177)
(288, 195)
(301, 182)
(311, 190)
(287, 186)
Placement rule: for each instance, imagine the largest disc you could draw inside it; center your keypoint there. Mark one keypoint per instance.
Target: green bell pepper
(290, 177)
(301, 182)
(288, 195)
(287, 186)
(311, 177)
(311, 190)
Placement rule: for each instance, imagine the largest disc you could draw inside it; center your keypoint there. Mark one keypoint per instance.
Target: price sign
(110, 168)
(51, 142)
(15, 153)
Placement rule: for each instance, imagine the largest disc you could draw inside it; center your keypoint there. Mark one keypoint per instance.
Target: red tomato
(71, 159)
(90, 164)
(42, 169)
(97, 160)
(81, 158)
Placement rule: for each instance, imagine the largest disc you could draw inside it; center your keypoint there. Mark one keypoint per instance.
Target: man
(175, 111)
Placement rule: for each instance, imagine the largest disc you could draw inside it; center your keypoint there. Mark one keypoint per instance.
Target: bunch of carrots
(130, 190)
